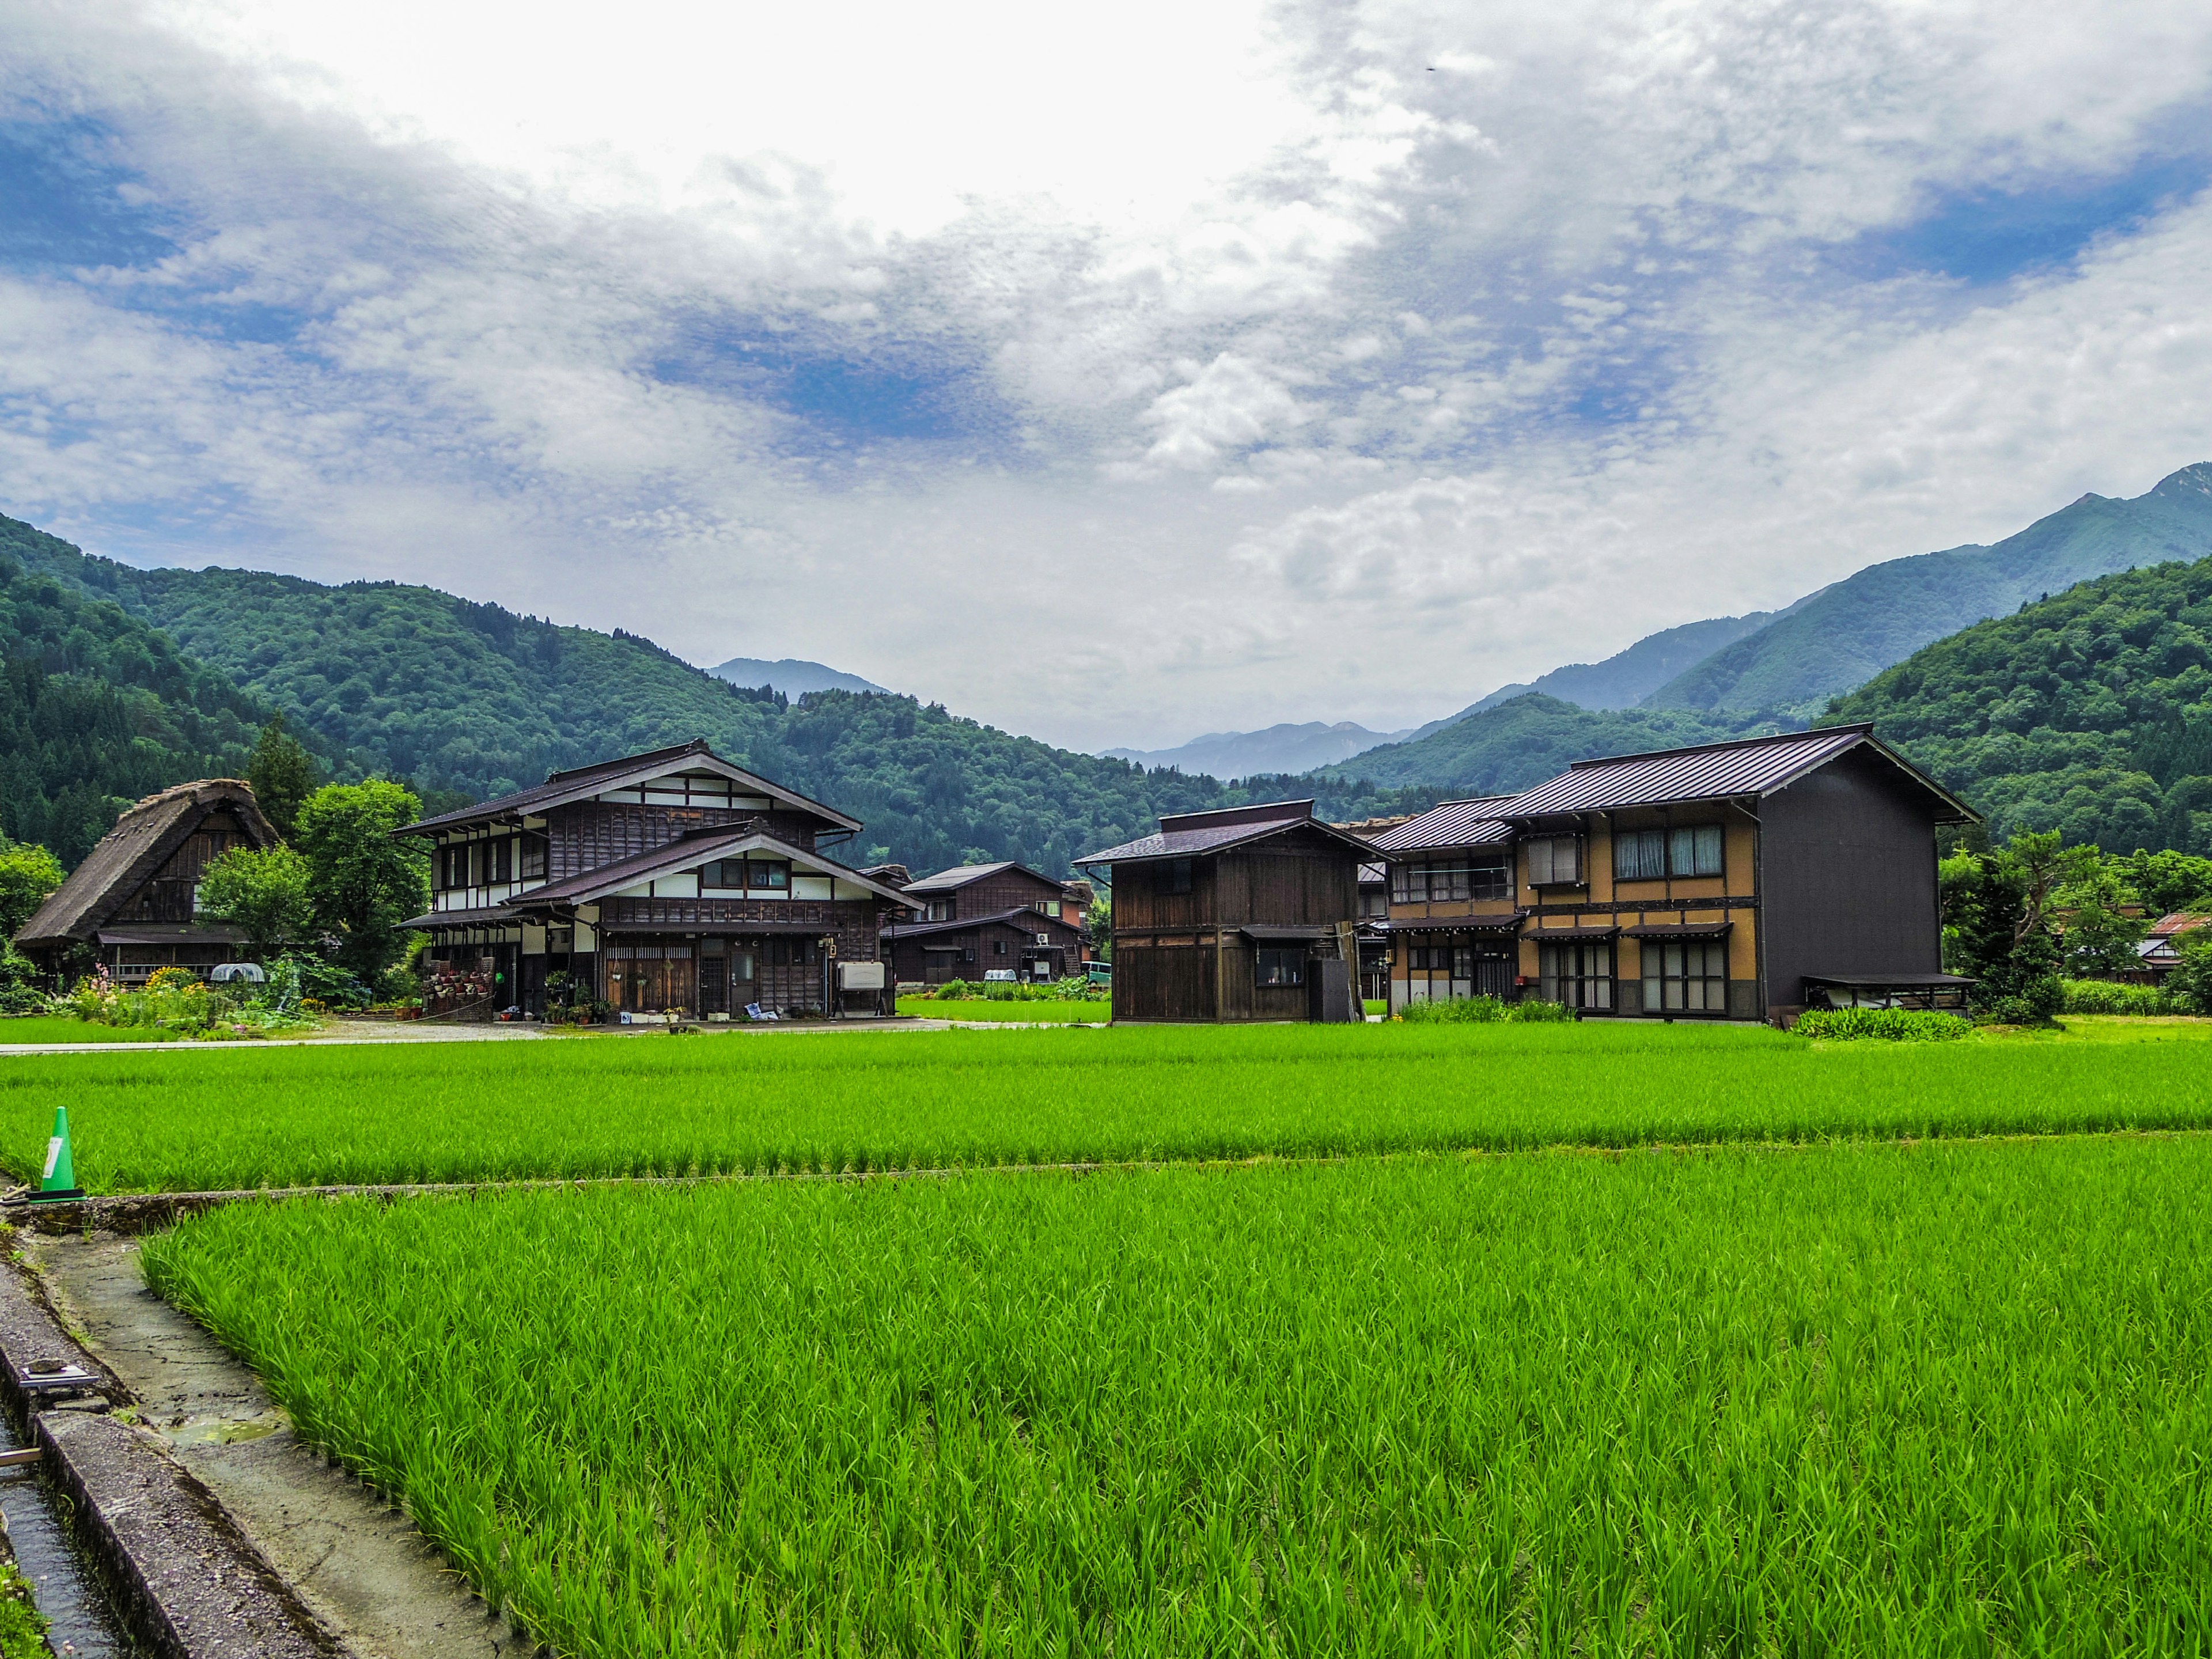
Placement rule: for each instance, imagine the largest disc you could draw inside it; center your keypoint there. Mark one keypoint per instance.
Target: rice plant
(1938, 1399)
(147, 1119)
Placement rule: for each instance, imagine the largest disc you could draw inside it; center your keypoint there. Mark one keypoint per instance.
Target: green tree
(27, 874)
(2092, 900)
(363, 883)
(282, 774)
(2169, 881)
(263, 894)
(2192, 981)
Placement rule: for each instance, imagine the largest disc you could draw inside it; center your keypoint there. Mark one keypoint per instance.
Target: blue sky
(1240, 364)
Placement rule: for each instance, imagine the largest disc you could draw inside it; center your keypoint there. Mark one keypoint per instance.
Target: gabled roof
(1454, 824)
(2180, 921)
(1716, 771)
(964, 875)
(1010, 918)
(700, 847)
(1188, 835)
(141, 841)
(583, 782)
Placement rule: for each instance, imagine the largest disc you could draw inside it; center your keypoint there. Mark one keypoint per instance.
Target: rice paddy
(154, 1119)
(1849, 1397)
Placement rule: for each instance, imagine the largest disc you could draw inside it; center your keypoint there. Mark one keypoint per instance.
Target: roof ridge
(1864, 727)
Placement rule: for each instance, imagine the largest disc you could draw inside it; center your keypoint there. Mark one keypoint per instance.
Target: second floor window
(941, 909)
(1482, 878)
(1655, 854)
(1176, 875)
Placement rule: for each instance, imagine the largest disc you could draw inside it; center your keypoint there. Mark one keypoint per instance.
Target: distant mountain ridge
(792, 676)
(1233, 755)
(1845, 633)
(1625, 679)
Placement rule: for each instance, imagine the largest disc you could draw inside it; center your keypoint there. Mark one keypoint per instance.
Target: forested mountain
(459, 697)
(1287, 748)
(1627, 678)
(792, 676)
(96, 708)
(1843, 635)
(1522, 743)
(2089, 713)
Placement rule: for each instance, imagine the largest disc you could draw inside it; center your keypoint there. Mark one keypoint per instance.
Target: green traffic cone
(60, 1178)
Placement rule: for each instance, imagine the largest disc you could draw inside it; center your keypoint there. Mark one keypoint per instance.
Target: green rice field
(60, 1028)
(167, 1120)
(1944, 1398)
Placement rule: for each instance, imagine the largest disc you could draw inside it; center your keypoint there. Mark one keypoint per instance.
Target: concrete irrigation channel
(214, 1532)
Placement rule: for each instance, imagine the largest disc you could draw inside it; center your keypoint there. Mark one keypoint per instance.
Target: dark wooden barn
(132, 905)
(1247, 914)
(982, 920)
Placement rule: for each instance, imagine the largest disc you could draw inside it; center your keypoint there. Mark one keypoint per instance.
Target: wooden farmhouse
(1742, 880)
(1246, 913)
(981, 919)
(133, 905)
(672, 879)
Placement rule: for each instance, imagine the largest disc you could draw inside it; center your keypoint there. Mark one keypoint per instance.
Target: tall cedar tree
(282, 774)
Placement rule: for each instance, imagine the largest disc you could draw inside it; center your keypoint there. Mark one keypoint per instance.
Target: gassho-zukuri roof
(1454, 824)
(583, 782)
(1715, 771)
(1186, 835)
(140, 843)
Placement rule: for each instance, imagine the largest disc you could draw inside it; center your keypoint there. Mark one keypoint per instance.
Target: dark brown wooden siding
(1847, 878)
(589, 834)
(167, 894)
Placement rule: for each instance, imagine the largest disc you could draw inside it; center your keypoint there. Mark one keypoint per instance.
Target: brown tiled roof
(1186, 835)
(127, 855)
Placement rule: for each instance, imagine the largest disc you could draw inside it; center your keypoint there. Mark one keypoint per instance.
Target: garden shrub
(1482, 1011)
(1888, 1024)
(2105, 996)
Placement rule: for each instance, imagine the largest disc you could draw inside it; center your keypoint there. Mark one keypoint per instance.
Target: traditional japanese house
(1740, 880)
(672, 879)
(133, 904)
(2159, 952)
(1246, 913)
(1453, 921)
(980, 920)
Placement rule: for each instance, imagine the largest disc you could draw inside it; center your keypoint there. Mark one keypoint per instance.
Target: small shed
(1246, 913)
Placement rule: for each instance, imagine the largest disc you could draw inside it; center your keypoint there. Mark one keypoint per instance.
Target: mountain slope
(1279, 749)
(472, 697)
(789, 674)
(96, 708)
(1533, 737)
(2089, 713)
(1845, 633)
(1625, 679)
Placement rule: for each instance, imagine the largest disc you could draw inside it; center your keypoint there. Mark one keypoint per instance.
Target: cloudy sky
(1111, 374)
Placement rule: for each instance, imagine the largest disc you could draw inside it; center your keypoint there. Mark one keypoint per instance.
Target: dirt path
(361, 1566)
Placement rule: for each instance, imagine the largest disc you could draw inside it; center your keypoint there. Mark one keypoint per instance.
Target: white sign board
(861, 975)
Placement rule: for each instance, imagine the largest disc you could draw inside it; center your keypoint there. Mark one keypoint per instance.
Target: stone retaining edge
(192, 1585)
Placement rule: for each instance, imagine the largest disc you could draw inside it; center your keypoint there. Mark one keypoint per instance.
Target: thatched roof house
(130, 905)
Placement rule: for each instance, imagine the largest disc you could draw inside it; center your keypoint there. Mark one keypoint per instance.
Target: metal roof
(904, 930)
(1189, 834)
(945, 881)
(1713, 771)
(1455, 824)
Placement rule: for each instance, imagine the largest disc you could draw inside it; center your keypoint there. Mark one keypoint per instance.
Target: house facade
(1246, 913)
(132, 906)
(981, 920)
(1452, 916)
(669, 879)
(1743, 880)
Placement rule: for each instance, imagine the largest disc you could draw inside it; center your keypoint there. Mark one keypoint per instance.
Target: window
(1279, 966)
(1050, 908)
(1686, 976)
(1580, 976)
(1175, 877)
(941, 909)
(499, 859)
(1555, 861)
(534, 858)
(1654, 854)
(1484, 877)
(773, 876)
(997, 947)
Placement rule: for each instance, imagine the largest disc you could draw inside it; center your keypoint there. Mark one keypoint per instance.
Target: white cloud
(1296, 362)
